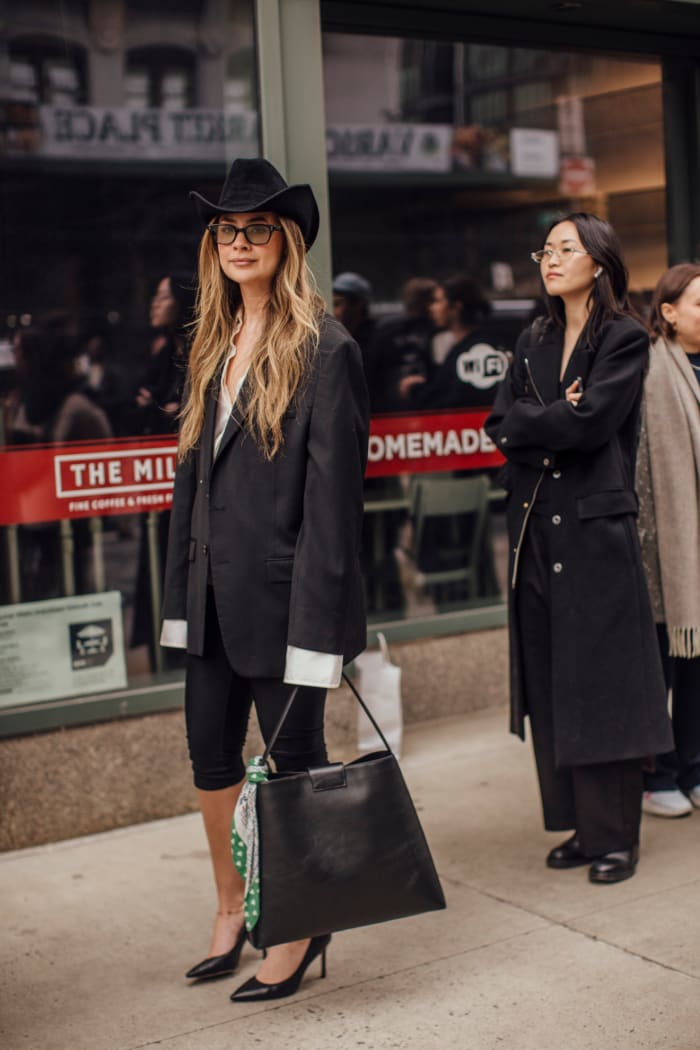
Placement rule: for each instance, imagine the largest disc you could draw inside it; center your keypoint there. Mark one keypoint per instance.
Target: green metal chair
(449, 522)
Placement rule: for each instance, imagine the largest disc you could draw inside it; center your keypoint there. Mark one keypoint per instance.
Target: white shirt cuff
(305, 667)
(173, 634)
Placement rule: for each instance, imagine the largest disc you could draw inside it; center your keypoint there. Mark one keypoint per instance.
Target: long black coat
(279, 539)
(609, 700)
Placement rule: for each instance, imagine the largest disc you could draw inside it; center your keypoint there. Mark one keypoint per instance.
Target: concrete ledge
(78, 781)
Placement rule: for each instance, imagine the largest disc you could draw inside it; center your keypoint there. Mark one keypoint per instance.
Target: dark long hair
(465, 293)
(669, 289)
(183, 288)
(609, 297)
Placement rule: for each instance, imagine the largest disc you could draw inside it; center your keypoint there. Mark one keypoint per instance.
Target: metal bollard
(67, 550)
(98, 554)
(155, 577)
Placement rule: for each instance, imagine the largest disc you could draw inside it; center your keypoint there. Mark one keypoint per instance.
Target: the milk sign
(129, 480)
(80, 480)
(389, 147)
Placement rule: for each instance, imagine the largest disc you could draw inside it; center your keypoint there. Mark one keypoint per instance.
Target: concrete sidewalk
(97, 933)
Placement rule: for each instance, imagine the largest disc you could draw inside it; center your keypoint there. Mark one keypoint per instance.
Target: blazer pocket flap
(607, 504)
(279, 570)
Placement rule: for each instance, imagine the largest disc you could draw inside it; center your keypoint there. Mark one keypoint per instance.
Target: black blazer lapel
(544, 359)
(207, 443)
(579, 365)
(236, 421)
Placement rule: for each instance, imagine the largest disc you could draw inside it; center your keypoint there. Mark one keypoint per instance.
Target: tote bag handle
(287, 708)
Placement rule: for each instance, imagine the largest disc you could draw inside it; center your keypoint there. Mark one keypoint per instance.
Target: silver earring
(598, 272)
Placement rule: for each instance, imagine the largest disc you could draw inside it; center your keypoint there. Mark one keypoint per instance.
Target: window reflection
(447, 161)
(112, 113)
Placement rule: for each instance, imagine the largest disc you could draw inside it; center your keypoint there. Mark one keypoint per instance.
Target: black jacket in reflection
(467, 378)
(163, 378)
(401, 347)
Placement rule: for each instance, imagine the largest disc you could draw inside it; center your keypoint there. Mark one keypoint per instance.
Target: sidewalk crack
(568, 924)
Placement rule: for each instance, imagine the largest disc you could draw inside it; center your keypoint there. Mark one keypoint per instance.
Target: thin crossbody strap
(287, 707)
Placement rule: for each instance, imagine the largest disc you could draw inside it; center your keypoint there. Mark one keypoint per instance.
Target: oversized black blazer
(278, 539)
(608, 694)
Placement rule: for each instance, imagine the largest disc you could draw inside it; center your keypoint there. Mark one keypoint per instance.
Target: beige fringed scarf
(672, 410)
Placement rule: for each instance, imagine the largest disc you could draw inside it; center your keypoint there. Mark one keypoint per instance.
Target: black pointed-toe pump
(254, 989)
(219, 965)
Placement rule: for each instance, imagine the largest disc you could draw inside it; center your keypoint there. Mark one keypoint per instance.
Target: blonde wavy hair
(280, 360)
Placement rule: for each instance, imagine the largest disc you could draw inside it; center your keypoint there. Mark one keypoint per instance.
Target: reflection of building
(531, 131)
(134, 54)
(454, 137)
(125, 78)
(117, 83)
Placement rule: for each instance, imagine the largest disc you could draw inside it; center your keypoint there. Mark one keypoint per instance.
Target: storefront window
(447, 163)
(111, 113)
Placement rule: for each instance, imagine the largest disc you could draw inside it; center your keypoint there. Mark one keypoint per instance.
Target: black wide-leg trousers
(217, 708)
(602, 802)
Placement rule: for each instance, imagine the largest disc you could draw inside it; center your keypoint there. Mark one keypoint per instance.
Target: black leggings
(217, 707)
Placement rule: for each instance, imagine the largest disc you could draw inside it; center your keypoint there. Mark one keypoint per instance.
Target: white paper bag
(378, 682)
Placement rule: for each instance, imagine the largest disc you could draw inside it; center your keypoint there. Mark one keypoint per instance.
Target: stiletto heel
(254, 989)
(219, 965)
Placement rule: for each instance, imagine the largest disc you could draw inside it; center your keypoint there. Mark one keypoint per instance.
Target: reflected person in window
(584, 662)
(159, 387)
(263, 581)
(155, 411)
(50, 407)
(401, 346)
(473, 367)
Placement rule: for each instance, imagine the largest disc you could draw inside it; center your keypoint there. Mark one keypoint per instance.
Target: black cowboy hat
(256, 185)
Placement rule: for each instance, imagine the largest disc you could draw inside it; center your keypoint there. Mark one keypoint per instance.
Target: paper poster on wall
(534, 153)
(61, 647)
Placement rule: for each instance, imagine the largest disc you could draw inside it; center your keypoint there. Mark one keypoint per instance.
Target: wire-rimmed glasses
(563, 254)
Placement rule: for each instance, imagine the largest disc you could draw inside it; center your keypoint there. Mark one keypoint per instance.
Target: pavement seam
(631, 952)
(568, 925)
(451, 880)
(634, 900)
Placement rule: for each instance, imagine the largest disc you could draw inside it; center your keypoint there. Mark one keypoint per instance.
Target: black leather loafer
(567, 855)
(615, 867)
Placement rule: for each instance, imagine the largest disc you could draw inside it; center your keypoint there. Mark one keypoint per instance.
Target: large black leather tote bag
(340, 846)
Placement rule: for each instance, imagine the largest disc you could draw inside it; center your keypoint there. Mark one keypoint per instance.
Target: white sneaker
(694, 796)
(668, 803)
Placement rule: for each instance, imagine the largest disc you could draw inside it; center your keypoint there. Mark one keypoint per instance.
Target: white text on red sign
(111, 473)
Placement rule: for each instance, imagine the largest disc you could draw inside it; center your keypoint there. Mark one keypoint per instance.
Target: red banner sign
(414, 444)
(80, 480)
